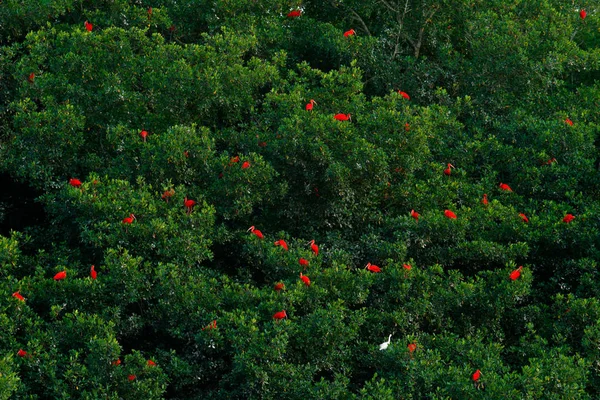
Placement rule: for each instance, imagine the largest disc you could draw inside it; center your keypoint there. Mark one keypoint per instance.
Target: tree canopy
(241, 199)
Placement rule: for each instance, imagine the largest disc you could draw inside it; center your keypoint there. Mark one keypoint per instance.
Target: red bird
(31, 77)
(280, 315)
(305, 279)
(18, 296)
(485, 200)
(404, 94)
(294, 14)
(448, 171)
(212, 325)
(407, 126)
(415, 215)
(516, 274)
(234, 160)
(131, 377)
(551, 161)
(116, 363)
(569, 122)
(476, 375)
(342, 117)
(505, 187)
(314, 247)
(582, 14)
(93, 272)
(88, 26)
(349, 33)
(149, 12)
(129, 220)
(310, 105)
(144, 135)
(245, 165)
(449, 214)
(407, 267)
(303, 262)
(168, 194)
(412, 347)
(373, 268)
(76, 183)
(279, 287)
(22, 353)
(256, 232)
(189, 204)
(150, 363)
(60, 276)
(568, 218)
(282, 243)
(524, 217)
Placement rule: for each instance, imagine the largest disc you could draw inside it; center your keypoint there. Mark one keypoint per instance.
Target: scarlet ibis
(407, 127)
(150, 363)
(351, 32)
(129, 220)
(385, 345)
(294, 14)
(76, 183)
(149, 12)
(188, 204)
(303, 262)
(88, 26)
(256, 232)
(262, 144)
(404, 94)
(516, 274)
(505, 187)
(407, 267)
(168, 194)
(234, 160)
(280, 315)
(568, 218)
(485, 200)
(279, 287)
(412, 347)
(582, 14)
(116, 363)
(186, 154)
(449, 214)
(305, 279)
(144, 135)
(21, 353)
(569, 122)
(551, 161)
(31, 77)
(282, 243)
(212, 325)
(448, 171)
(245, 165)
(524, 217)
(342, 117)
(476, 375)
(131, 377)
(18, 296)
(373, 268)
(310, 105)
(415, 215)
(60, 276)
(314, 247)
(93, 272)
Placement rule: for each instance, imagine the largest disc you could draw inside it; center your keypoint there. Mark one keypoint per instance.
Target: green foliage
(183, 302)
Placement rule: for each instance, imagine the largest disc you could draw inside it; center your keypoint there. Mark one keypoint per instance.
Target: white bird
(385, 345)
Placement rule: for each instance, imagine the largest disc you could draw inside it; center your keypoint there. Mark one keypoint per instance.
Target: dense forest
(284, 199)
